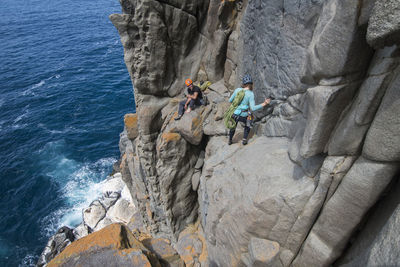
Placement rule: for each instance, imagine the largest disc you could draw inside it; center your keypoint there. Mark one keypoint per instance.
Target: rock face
(323, 152)
(384, 24)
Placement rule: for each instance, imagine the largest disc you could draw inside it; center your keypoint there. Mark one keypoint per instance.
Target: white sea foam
(80, 185)
(29, 260)
(39, 84)
(30, 90)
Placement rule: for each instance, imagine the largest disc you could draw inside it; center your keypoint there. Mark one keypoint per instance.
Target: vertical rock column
(161, 46)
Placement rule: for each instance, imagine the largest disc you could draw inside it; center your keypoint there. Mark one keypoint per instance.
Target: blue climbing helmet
(247, 79)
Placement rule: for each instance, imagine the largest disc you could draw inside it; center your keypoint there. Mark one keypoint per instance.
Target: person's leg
(181, 109)
(191, 105)
(245, 135)
(231, 134)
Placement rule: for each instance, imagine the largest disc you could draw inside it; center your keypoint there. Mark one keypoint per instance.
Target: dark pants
(246, 128)
(192, 104)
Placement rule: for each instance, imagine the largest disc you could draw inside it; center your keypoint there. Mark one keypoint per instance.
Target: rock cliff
(320, 159)
(306, 189)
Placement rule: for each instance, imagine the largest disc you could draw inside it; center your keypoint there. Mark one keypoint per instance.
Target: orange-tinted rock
(191, 246)
(114, 245)
(131, 125)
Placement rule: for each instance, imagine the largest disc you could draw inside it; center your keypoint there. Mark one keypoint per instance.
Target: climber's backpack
(229, 122)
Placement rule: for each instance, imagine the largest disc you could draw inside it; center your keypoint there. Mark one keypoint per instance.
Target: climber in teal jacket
(242, 111)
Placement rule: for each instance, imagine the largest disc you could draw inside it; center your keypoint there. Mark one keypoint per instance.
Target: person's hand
(266, 102)
(185, 106)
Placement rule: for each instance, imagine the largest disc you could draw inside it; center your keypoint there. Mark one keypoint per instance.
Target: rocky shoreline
(114, 206)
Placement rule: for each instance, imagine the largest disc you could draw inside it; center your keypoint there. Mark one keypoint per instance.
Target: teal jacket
(248, 101)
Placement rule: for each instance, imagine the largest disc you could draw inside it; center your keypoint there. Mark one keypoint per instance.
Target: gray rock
(121, 212)
(366, 10)
(190, 126)
(277, 126)
(332, 169)
(384, 130)
(214, 128)
(161, 42)
(309, 165)
(236, 205)
(55, 245)
(103, 223)
(220, 110)
(358, 191)
(263, 252)
(384, 24)
(326, 103)
(196, 180)
(113, 184)
(81, 231)
(109, 199)
(340, 171)
(123, 141)
(348, 136)
(336, 39)
(200, 161)
(377, 242)
(275, 36)
(93, 214)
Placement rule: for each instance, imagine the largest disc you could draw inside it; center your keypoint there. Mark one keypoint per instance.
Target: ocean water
(63, 92)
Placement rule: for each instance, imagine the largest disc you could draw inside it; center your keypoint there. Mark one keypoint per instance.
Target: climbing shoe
(244, 142)
(229, 142)
(178, 118)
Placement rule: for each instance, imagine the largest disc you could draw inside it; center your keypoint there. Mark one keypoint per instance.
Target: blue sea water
(63, 92)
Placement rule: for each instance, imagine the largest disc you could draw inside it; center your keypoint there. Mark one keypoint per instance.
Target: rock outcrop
(319, 158)
(322, 154)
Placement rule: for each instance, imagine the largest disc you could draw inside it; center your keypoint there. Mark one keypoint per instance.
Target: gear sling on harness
(229, 122)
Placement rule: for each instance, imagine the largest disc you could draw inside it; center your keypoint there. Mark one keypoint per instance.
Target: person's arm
(194, 96)
(255, 107)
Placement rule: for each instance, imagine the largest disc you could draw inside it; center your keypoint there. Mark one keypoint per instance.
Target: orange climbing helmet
(188, 82)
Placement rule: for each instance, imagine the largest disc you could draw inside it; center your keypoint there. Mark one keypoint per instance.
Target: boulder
(112, 246)
(122, 211)
(81, 231)
(384, 24)
(356, 194)
(190, 126)
(196, 180)
(93, 214)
